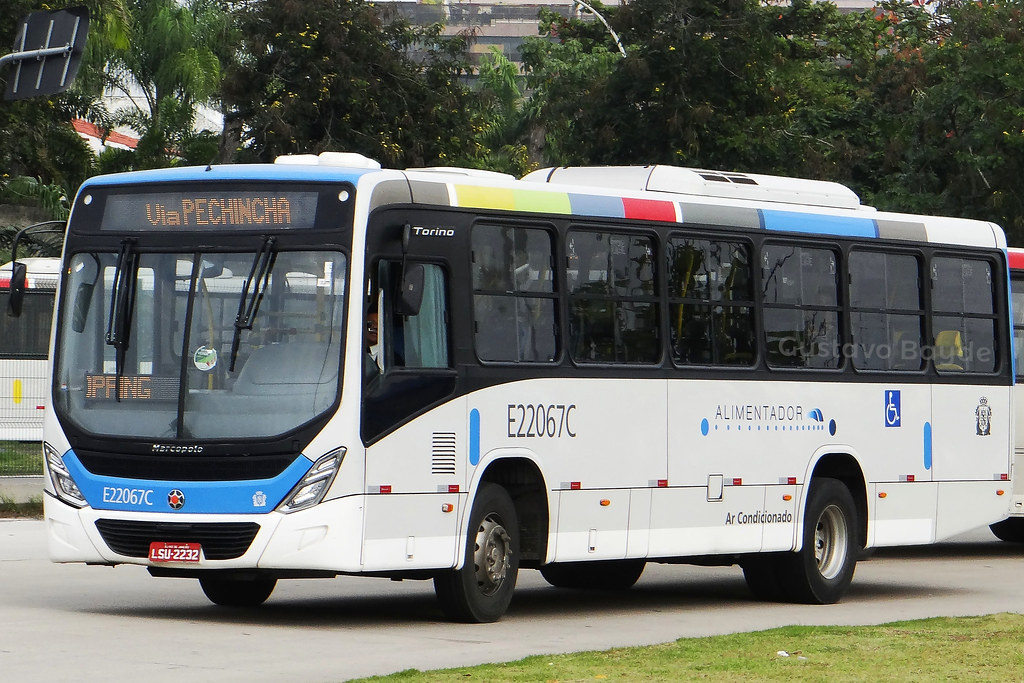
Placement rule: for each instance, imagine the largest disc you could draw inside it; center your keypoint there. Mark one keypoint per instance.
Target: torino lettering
(434, 232)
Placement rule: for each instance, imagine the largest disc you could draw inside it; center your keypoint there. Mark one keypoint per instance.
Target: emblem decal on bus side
(983, 415)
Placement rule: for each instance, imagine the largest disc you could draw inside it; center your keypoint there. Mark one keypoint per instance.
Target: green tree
(509, 120)
(958, 146)
(338, 75)
(567, 69)
(167, 67)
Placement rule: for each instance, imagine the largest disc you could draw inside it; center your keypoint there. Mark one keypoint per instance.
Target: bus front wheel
(821, 571)
(481, 590)
(237, 592)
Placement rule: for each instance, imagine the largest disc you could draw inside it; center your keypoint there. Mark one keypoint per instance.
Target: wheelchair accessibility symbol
(892, 408)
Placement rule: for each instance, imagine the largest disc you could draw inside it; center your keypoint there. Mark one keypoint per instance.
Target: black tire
(763, 574)
(237, 592)
(1010, 530)
(481, 590)
(821, 571)
(604, 575)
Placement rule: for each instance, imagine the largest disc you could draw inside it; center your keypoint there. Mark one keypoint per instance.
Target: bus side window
(964, 316)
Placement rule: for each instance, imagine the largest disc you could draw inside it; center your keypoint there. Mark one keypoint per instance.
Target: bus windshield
(199, 345)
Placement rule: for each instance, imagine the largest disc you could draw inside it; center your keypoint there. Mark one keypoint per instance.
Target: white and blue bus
(24, 344)
(319, 367)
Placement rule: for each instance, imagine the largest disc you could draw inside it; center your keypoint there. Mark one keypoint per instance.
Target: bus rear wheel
(821, 571)
(481, 590)
(237, 592)
(611, 575)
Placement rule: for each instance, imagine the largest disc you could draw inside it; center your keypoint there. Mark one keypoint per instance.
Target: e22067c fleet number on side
(539, 420)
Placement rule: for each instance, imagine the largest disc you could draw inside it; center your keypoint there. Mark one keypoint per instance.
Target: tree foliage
(168, 66)
(340, 75)
(919, 105)
(958, 146)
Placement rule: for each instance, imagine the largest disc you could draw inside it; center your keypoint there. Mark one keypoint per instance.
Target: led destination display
(245, 210)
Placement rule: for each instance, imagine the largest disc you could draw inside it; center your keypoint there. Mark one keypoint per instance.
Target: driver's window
(413, 341)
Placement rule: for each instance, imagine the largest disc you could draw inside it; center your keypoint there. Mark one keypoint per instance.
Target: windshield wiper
(248, 306)
(122, 303)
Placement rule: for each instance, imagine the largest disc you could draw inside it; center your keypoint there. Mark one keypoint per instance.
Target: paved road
(78, 623)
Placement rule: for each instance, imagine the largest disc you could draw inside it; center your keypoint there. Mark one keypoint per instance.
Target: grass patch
(984, 648)
(20, 458)
(31, 508)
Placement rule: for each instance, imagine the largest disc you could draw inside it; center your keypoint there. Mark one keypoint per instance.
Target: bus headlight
(314, 485)
(63, 482)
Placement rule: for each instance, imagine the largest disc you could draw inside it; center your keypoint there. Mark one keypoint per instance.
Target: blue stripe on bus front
(821, 224)
(233, 172)
(250, 496)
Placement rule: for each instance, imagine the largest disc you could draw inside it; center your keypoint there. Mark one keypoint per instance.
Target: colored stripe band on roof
(540, 201)
(650, 209)
(820, 224)
(596, 205)
(1015, 259)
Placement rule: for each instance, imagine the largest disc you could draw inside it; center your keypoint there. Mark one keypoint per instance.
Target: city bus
(1012, 528)
(319, 367)
(23, 351)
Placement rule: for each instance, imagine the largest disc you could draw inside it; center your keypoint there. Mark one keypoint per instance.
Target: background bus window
(963, 317)
(801, 314)
(1017, 294)
(613, 310)
(29, 336)
(514, 300)
(711, 314)
(886, 314)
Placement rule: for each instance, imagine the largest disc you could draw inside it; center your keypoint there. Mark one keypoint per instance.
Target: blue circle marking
(705, 427)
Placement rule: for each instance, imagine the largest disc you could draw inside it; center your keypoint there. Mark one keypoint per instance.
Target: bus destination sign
(235, 210)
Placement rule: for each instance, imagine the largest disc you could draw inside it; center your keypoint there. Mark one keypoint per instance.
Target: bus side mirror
(17, 296)
(410, 297)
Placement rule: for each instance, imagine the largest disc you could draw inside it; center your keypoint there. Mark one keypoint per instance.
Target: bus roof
(653, 193)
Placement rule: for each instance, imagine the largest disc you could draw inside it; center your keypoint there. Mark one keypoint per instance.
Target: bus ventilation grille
(442, 459)
(220, 540)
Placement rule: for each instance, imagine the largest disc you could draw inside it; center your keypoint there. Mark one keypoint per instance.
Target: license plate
(162, 551)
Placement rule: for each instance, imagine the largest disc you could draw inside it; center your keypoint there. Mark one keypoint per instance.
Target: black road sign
(47, 52)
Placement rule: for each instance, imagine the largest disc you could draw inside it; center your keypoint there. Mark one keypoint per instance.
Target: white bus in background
(24, 343)
(578, 372)
(1012, 528)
